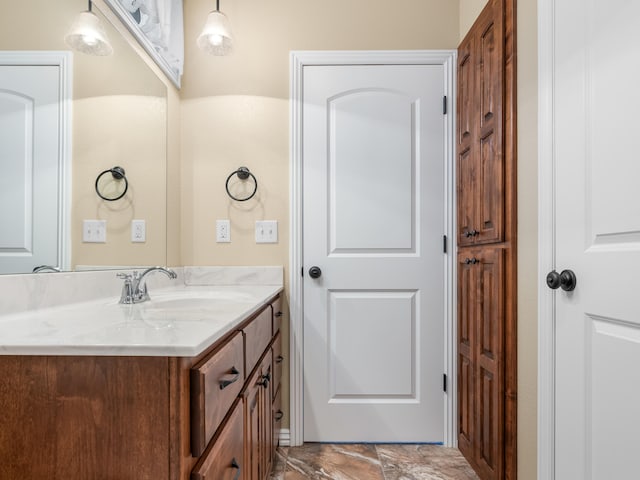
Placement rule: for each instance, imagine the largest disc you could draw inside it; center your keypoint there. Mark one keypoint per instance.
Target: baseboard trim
(284, 437)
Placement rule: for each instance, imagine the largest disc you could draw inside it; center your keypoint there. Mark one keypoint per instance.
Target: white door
(29, 160)
(373, 223)
(597, 235)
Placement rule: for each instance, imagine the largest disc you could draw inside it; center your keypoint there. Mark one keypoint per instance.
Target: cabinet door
(266, 419)
(223, 460)
(480, 158)
(467, 281)
(251, 427)
(480, 358)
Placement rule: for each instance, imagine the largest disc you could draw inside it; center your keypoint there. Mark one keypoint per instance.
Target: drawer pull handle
(225, 382)
(279, 359)
(278, 314)
(234, 464)
(279, 415)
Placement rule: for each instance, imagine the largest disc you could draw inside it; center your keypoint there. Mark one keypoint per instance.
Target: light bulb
(216, 40)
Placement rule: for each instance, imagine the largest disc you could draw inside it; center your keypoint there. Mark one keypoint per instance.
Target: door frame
(298, 60)
(63, 60)
(546, 241)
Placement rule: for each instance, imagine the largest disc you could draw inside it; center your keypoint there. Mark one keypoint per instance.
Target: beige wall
(235, 110)
(119, 117)
(527, 239)
(469, 11)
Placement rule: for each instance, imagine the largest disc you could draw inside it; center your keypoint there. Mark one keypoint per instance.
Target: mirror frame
(126, 18)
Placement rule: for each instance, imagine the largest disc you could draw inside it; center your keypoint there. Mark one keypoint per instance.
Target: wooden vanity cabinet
(142, 418)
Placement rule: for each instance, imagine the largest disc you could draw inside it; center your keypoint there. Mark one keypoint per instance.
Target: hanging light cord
(90, 4)
(217, 5)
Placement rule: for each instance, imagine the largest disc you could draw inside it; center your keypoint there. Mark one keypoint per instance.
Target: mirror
(119, 118)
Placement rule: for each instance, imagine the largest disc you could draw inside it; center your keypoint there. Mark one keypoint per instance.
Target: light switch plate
(223, 231)
(94, 231)
(267, 231)
(138, 231)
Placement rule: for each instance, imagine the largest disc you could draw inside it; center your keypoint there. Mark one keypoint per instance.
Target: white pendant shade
(216, 37)
(87, 35)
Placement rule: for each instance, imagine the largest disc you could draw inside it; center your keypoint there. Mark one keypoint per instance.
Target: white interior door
(597, 235)
(30, 159)
(373, 222)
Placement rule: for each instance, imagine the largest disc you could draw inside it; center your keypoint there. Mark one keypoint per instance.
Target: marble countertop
(177, 322)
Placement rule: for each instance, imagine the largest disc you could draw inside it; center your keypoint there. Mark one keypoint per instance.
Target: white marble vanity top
(178, 321)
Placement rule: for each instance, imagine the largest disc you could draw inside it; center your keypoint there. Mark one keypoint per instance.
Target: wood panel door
(480, 165)
(480, 358)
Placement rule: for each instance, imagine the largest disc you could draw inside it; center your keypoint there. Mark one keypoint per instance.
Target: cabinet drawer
(225, 458)
(276, 306)
(257, 336)
(278, 359)
(215, 383)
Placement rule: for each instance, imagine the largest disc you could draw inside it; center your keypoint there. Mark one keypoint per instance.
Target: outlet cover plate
(138, 231)
(223, 231)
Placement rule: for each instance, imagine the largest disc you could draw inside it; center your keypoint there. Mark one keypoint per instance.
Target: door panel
(597, 222)
(373, 182)
(29, 152)
(371, 157)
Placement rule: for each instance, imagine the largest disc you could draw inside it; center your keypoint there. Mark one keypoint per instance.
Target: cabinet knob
(471, 261)
(236, 465)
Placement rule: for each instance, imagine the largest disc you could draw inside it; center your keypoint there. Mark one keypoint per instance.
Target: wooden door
(374, 206)
(480, 167)
(480, 358)
(266, 416)
(252, 409)
(593, 100)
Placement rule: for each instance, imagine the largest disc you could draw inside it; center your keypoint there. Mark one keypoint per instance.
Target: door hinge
(444, 382)
(444, 105)
(444, 244)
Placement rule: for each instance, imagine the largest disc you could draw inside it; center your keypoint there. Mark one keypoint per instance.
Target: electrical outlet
(138, 231)
(223, 231)
(94, 231)
(267, 231)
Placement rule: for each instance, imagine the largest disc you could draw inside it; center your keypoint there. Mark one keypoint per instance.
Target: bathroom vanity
(185, 386)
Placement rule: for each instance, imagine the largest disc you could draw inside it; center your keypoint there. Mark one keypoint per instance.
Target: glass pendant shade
(216, 37)
(87, 35)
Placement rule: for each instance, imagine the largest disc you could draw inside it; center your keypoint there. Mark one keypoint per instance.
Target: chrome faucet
(135, 289)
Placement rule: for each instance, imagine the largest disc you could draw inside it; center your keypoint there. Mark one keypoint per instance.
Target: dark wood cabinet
(143, 418)
(480, 165)
(480, 357)
(486, 225)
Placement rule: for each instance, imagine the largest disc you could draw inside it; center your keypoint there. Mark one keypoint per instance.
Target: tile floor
(317, 461)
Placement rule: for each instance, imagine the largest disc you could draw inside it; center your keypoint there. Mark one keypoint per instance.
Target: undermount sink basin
(193, 298)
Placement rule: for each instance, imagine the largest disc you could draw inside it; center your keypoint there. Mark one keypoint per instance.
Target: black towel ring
(118, 174)
(243, 173)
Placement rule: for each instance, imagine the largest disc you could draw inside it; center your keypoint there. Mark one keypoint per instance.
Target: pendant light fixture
(216, 37)
(87, 35)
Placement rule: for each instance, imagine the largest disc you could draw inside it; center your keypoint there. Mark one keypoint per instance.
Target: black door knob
(315, 272)
(553, 280)
(565, 280)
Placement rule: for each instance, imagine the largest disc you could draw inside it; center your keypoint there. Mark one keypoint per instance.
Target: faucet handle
(124, 276)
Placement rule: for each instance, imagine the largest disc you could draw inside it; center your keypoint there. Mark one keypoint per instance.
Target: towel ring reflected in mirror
(117, 175)
(243, 173)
